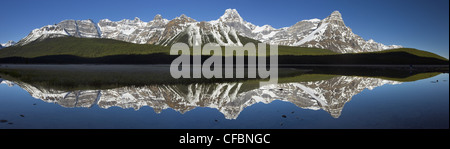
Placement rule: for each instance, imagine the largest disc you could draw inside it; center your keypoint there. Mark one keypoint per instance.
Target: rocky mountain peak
(184, 18)
(336, 14)
(335, 18)
(157, 17)
(231, 15)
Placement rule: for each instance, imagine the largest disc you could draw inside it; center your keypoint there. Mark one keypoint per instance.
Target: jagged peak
(158, 17)
(336, 13)
(334, 18)
(231, 15)
(231, 11)
(183, 16)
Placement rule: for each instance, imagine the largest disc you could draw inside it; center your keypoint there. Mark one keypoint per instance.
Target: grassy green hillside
(96, 48)
(296, 51)
(83, 47)
(414, 52)
(93, 47)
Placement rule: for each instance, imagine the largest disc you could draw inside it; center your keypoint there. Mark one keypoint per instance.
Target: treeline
(391, 58)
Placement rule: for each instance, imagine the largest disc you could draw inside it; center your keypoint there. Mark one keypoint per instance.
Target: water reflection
(230, 99)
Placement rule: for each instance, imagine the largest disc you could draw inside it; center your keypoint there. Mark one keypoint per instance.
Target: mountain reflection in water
(229, 98)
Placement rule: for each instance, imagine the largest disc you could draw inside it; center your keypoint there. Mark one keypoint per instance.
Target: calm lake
(90, 96)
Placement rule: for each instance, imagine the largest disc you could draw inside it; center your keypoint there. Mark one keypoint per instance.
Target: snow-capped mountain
(228, 98)
(159, 31)
(7, 44)
(329, 33)
(49, 31)
(134, 31)
(188, 30)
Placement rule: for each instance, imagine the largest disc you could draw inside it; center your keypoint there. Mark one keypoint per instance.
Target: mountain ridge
(329, 33)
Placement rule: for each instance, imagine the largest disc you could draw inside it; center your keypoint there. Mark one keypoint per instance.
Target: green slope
(83, 47)
(94, 48)
(414, 52)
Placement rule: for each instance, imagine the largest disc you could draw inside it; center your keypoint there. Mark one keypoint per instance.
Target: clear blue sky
(421, 24)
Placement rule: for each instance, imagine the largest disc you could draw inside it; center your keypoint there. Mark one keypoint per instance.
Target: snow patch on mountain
(314, 35)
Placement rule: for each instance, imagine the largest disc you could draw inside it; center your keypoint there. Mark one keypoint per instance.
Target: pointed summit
(336, 14)
(185, 18)
(231, 15)
(335, 18)
(158, 17)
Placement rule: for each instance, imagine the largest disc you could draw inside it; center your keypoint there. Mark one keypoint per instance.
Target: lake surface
(299, 101)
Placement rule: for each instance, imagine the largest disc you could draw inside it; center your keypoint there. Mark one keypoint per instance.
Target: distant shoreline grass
(105, 76)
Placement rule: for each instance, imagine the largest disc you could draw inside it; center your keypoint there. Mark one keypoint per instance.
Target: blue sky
(421, 24)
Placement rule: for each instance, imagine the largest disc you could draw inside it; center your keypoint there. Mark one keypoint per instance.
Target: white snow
(319, 31)
(313, 20)
(262, 28)
(270, 35)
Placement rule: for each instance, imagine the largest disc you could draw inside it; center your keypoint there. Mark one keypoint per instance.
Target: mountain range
(230, 29)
